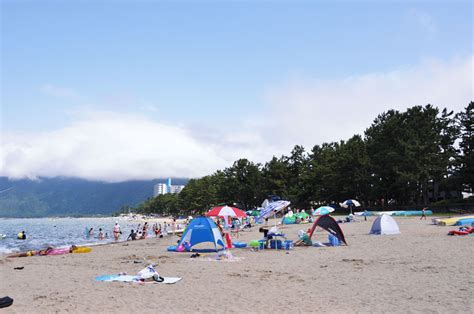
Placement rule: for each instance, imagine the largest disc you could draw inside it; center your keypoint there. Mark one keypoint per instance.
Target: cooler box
(276, 244)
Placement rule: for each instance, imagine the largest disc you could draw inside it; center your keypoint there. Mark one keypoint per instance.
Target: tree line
(403, 158)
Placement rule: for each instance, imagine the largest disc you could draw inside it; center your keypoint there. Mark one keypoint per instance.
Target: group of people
(141, 232)
(160, 230)
(104, 235)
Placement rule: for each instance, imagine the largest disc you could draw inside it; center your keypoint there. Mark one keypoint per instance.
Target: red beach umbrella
(226, 211)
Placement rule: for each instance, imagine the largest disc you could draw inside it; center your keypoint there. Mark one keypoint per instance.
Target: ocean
(58, 232)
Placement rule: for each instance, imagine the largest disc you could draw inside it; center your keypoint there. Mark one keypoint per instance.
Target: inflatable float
(239, 245)
(465, 222)
(462, 231)
(451, 221)
(83, 249)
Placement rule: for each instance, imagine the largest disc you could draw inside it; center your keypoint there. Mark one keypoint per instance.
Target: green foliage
(465, 160)
(404, 157)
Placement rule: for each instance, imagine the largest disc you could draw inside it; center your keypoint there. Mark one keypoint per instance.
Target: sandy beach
(420, 270)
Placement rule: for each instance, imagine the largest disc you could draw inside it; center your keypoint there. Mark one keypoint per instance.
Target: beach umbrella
(350, 204)
(323, 210)
(226, 211)
(253, 213)
(273, 208)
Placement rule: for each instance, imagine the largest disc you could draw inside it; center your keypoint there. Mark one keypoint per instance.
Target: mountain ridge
(66, 196)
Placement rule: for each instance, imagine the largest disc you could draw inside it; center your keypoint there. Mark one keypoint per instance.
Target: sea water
(58, 232)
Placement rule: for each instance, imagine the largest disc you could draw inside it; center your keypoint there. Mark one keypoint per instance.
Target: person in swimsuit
(145, 230)
(117, 231)
(101, 234)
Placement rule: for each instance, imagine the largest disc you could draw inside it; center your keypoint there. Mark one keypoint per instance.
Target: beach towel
(137, 279)
(146, 275)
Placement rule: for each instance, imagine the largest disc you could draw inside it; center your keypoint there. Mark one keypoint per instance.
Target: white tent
(385, 224)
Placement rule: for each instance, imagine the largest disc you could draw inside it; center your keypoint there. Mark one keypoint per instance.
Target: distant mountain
(71, 196)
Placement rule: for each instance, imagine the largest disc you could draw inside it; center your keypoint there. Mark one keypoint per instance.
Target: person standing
(145, 230)
(117, 231)
(101, 234)
(173, 226)
(423, 213)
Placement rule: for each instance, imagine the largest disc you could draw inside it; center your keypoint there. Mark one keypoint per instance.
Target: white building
(159, 189)
(165, 188)
(175, 189)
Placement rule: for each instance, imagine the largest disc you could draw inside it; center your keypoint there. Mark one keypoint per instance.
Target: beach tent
(330, 225)
(202, 235)
(385, 224)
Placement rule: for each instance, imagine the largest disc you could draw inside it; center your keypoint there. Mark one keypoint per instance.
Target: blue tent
(202, 235)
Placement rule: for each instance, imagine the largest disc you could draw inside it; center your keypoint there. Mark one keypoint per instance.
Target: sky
(127, 90)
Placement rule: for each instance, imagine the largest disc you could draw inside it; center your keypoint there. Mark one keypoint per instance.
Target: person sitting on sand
(304, 239)
(132, 236)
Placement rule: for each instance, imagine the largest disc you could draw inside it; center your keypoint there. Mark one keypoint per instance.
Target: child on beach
(132, 235)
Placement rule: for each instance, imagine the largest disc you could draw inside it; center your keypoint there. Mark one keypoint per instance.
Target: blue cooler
(288, 244)
(276, 244)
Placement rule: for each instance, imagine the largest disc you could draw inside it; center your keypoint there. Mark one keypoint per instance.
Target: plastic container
(276, 244)
(288, 245)
(261, 244)
(334, 241)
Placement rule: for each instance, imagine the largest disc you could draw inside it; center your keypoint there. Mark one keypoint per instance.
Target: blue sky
(196, 64)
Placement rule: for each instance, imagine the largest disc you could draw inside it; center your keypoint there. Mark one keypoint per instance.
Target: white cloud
(114, 147)
(311, 112)
(109, 147)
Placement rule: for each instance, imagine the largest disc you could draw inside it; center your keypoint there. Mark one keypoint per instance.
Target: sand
(420, 270)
